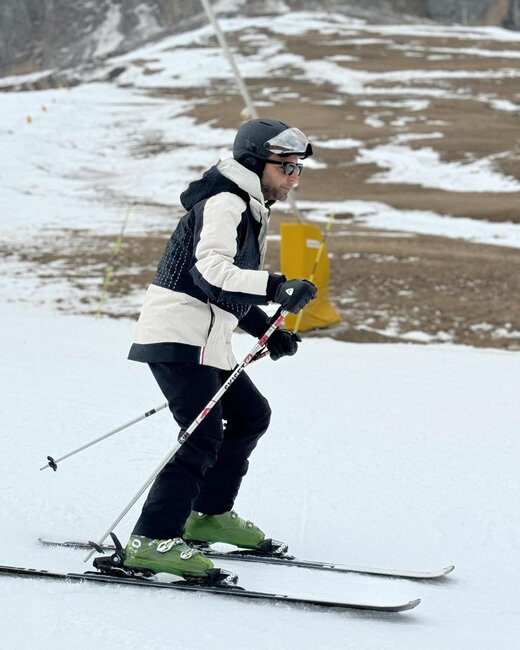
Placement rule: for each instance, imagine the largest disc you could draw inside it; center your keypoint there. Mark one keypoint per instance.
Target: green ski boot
(228, 528)
(167, 556)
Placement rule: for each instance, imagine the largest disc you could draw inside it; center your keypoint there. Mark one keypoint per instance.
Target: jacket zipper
(211, 322)
(203, 348)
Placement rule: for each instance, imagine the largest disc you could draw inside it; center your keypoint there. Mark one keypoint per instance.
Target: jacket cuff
(273, 282)
(255, 322)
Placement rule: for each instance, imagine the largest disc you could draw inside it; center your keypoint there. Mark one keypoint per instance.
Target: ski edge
(236, 592)
(305, 564)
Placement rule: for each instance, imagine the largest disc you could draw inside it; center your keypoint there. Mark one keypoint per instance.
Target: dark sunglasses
(289, 168)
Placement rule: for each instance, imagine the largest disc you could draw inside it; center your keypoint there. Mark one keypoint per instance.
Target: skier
(208, 282)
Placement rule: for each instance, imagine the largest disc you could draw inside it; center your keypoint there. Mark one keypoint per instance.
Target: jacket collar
(243, 177)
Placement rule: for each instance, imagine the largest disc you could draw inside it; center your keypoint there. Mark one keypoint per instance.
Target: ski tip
(413, 603)
(448, 569)
(403, 607)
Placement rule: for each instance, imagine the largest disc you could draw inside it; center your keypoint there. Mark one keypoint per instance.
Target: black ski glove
(293, 295)
(282, 343)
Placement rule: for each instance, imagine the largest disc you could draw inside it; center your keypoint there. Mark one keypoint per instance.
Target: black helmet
(258, 139)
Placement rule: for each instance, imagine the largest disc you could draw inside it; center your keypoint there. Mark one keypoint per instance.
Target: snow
(31, 77)
(380, 215)
(107, 36)
(407, 458)
(504, 105)
(425, 168)
(338, 143)
(470, 51)
(495, 34)
(385, 455)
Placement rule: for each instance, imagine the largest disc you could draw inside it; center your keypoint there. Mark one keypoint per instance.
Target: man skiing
(208, 282)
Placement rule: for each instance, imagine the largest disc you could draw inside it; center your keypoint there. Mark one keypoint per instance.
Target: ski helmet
(258, 139)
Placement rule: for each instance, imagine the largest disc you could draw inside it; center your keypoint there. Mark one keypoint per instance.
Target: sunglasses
(289, 168)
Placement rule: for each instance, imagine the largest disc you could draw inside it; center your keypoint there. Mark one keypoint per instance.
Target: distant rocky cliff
(503, 13)
(39, 34)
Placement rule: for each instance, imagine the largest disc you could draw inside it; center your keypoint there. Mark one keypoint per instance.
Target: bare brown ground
(380, 282)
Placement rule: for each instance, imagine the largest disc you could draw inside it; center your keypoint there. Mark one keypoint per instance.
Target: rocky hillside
(504, 13)
(40, 34)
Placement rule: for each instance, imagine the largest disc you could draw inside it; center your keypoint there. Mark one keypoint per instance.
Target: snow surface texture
(408, 459)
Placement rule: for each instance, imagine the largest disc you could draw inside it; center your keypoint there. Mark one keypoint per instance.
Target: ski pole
(53, 463)
(276, 321)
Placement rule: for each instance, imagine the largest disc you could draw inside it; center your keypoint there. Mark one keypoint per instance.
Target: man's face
(275, 184)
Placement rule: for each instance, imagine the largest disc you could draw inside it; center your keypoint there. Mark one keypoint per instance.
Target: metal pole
(53, 463)
(231, 59)
(464, 12)
(278, 318)
(240, 81)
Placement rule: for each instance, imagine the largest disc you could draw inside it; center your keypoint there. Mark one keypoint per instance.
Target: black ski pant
(206, 472)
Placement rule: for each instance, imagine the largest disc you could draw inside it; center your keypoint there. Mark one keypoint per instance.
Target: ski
(285, 560)
(230, 591)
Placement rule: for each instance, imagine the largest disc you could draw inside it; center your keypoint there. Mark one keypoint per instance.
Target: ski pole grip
(277, 315)
(280, 314)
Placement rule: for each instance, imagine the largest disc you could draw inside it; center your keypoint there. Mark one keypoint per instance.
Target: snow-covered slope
(388, 455)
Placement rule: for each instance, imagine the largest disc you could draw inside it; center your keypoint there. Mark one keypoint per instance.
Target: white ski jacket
(209, 278)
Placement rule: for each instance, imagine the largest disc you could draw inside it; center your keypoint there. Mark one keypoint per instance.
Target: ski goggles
(291, 142)
(289, 168)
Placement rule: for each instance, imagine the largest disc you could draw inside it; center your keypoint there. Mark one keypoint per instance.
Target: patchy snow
(107, 36)
(380, 215)
(504, 105)
(374, 121)
(30, 77)
(411, 137)
(87, 176)
(120, 147)
(469, 51)
(337, 143)
(409, 104)
(174, 65)
(473, 33)
(225, 6)
(425, 168)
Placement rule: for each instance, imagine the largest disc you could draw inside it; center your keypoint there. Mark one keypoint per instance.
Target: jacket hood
(227, 176)
(243, 177)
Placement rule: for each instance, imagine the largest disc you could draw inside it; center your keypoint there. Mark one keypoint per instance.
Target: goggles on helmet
(291, 142)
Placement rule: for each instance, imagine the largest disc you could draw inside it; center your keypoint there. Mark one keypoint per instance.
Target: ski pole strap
(260, 355)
